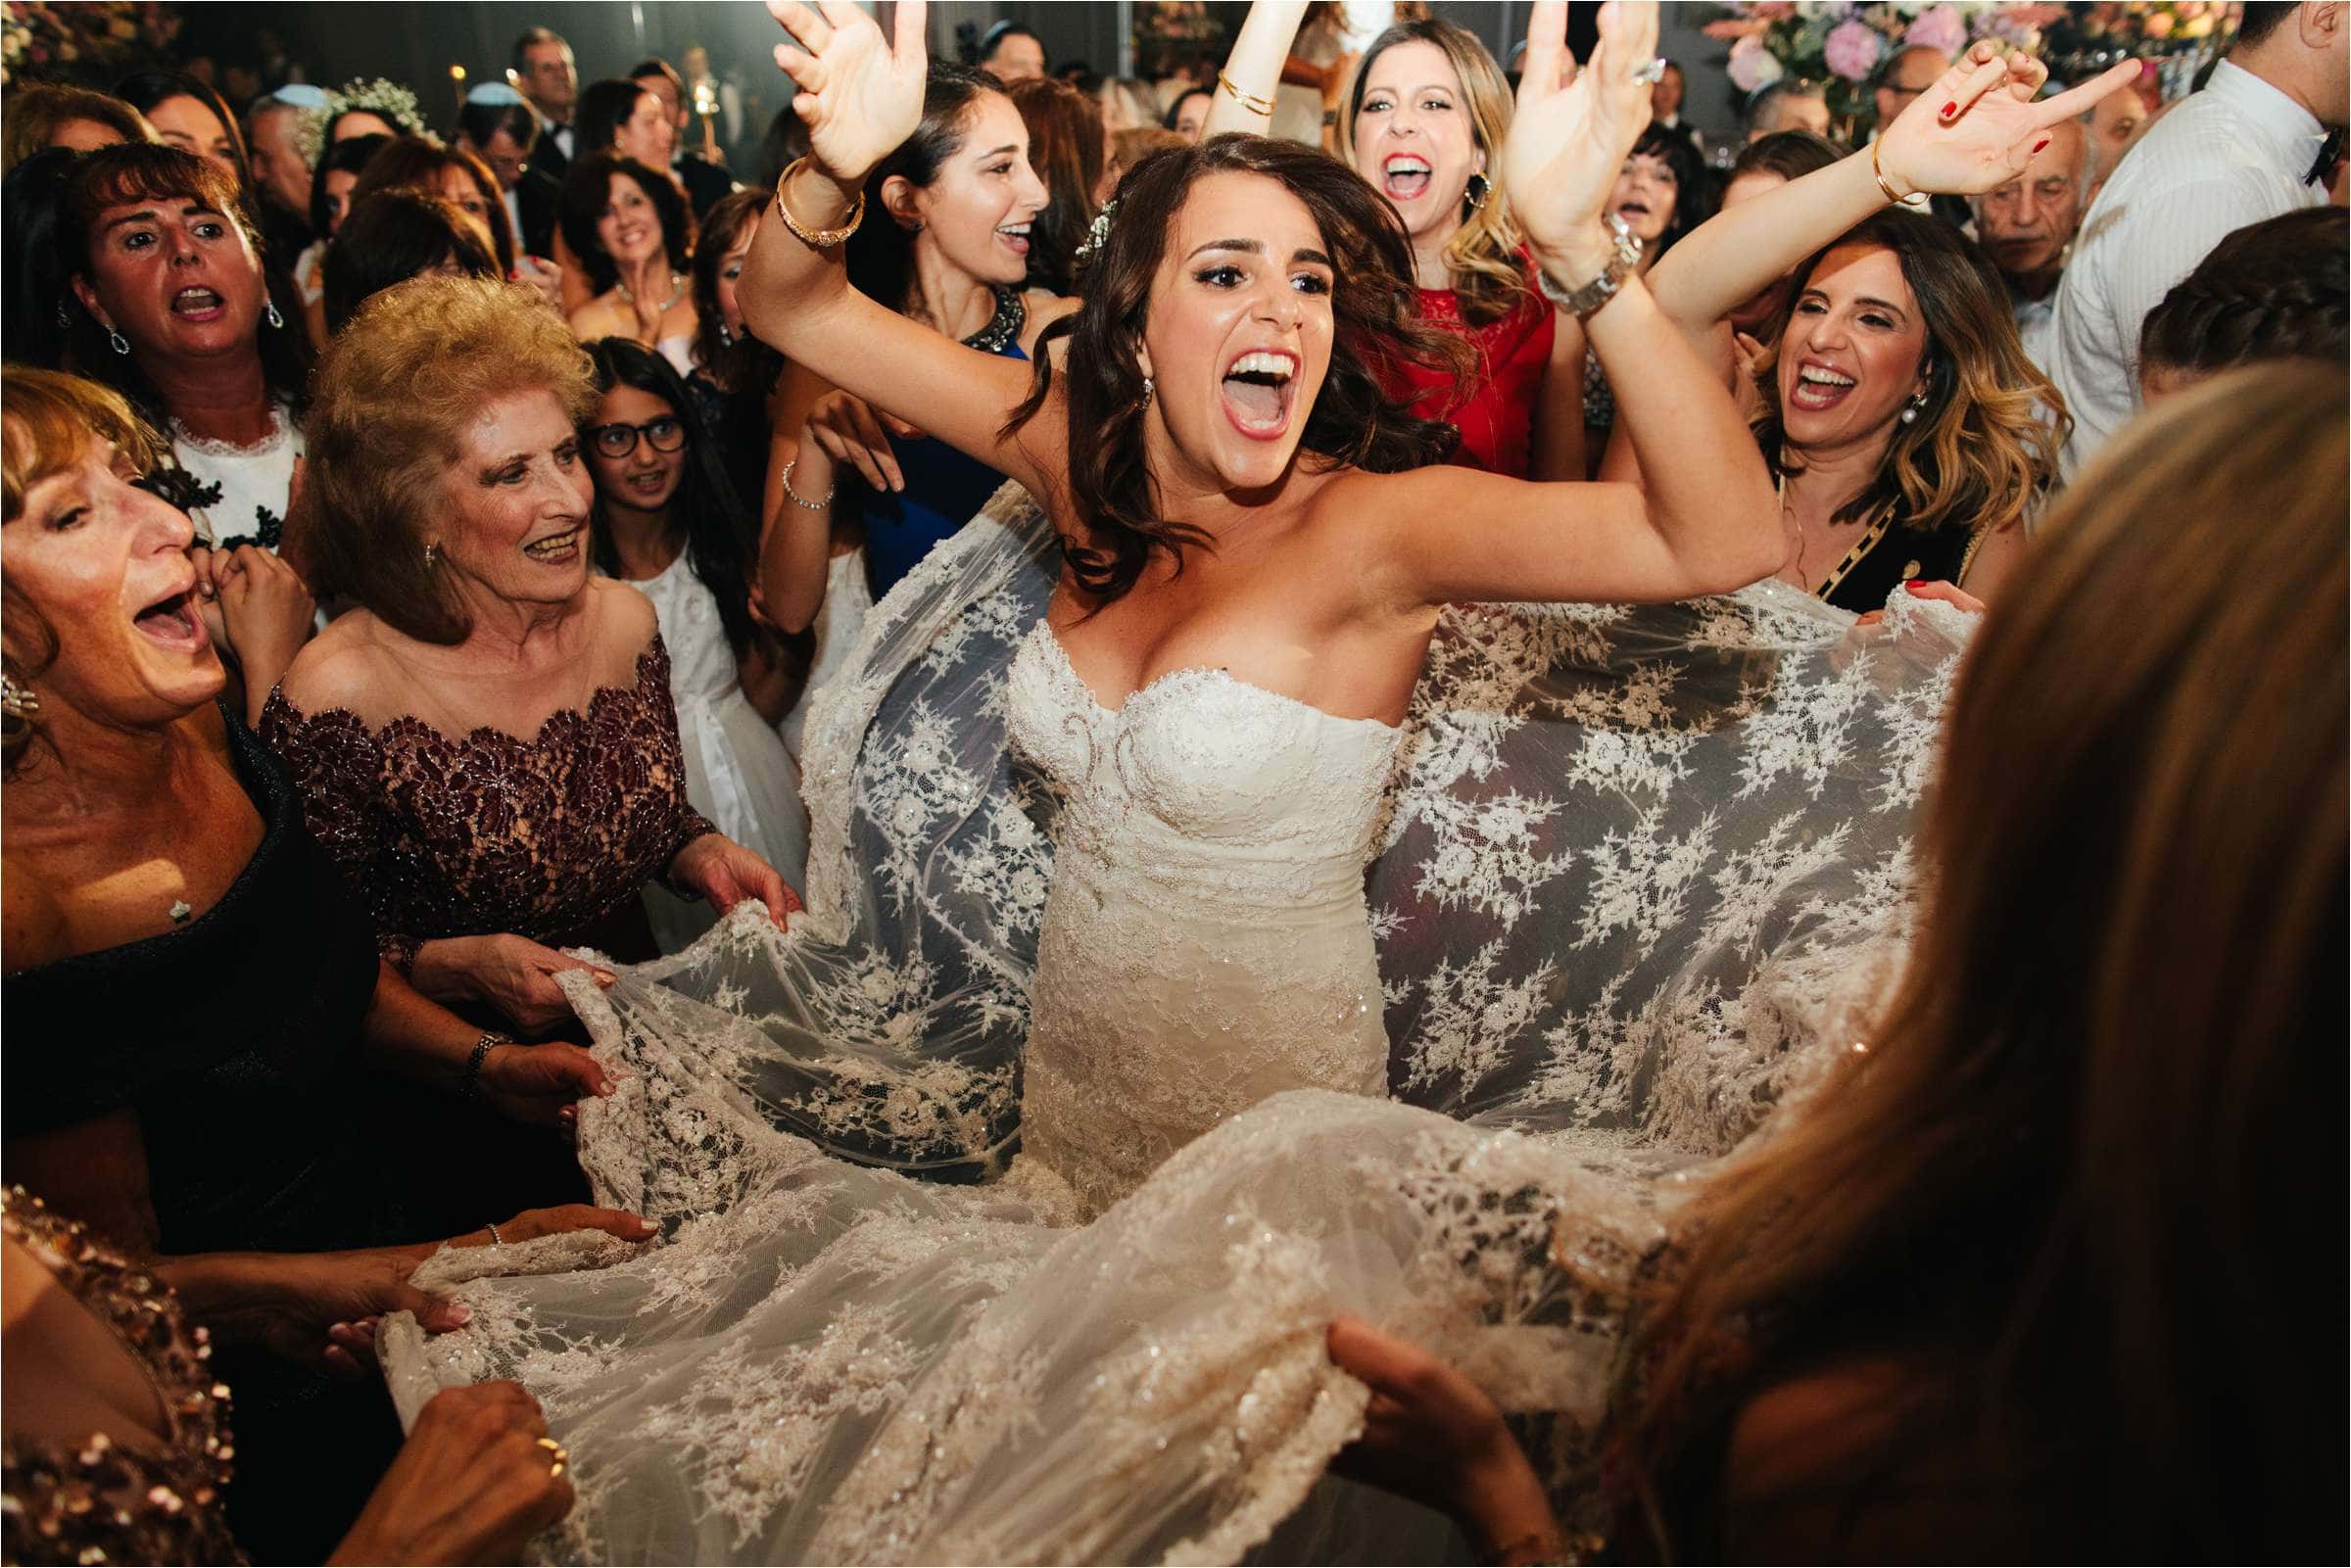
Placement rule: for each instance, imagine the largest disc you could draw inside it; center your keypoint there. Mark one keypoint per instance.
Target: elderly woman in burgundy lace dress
(488, 744)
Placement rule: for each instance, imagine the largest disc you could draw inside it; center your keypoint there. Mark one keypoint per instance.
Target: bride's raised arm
(861, 96)
(1707, 520)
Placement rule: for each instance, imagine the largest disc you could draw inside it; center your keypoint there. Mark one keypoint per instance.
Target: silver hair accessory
(17, 702)
(1651, 75)
(269, 313)
(1910, 412)
(1097, 233)
(116, 340)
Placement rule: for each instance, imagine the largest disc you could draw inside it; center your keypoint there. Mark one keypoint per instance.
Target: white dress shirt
(2234, 154)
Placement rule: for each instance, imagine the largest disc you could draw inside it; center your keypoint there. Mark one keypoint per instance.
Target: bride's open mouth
(556, 549)
(172, 623)
(1258, 389)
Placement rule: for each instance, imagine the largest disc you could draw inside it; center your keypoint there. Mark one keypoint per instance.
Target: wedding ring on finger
(559, 1458)
(1651, 75)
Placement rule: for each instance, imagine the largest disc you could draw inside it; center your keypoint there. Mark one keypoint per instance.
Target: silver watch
(1582, 302)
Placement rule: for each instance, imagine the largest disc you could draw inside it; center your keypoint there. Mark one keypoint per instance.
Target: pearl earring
(1910, 413)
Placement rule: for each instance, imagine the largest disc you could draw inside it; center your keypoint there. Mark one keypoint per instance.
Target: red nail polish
(1950, 109)
(2039, 145)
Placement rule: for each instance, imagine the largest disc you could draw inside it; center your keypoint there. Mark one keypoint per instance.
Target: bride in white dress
(833, 1362)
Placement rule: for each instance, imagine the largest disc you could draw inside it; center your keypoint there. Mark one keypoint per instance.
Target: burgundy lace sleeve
(336, 764)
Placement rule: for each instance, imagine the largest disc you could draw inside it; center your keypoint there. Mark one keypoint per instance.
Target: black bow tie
(2330, 153)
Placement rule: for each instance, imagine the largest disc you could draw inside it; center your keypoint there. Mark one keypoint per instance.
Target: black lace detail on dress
(484, 833)
(268, 529)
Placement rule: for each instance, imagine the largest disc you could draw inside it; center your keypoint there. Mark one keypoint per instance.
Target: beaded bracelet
(793, 496)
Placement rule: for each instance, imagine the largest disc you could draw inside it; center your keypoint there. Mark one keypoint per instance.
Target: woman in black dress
(195, 1004)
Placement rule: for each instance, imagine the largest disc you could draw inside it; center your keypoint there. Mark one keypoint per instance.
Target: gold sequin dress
(99, 1500)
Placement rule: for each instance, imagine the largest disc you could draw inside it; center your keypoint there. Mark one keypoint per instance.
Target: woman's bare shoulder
(342, 667)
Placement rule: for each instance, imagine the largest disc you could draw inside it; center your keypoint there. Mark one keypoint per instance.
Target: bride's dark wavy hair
(1354, 422)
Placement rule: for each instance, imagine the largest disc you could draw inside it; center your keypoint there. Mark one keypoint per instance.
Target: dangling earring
(726, 336)
(17, 702)
(271, 316)
(1147, 389)
(431, 555)
(1910, 413)
(1477, 188)
(63, 320)
(116, 340)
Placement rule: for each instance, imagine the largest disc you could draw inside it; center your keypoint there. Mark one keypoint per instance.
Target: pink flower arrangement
(1751, 66)
(1853, 50)
(1938, 28)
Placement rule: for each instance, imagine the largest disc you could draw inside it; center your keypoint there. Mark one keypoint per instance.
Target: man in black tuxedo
(497, 126)
(706, 183)
(549, 79)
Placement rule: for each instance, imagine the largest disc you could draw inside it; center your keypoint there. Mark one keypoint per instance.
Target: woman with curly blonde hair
(487, 744)
(1426, 113)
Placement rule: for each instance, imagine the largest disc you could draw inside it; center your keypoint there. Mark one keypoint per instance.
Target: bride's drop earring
(1147, 392)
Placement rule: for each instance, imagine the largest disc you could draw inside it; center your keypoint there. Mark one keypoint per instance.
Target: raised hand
(859, 96)
(1978, 127)
(1569, 142)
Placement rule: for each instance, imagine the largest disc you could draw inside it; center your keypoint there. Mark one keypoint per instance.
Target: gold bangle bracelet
(1249, 101)
(823, 239)
(1876, 170)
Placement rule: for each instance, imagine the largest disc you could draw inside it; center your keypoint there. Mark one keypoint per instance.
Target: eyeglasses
(666, 434)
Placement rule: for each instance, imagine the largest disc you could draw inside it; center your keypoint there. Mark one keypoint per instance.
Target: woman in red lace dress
(1424, 113)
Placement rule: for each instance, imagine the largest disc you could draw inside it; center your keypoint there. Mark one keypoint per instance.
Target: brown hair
(2275, 290)
(415, 366)
(141, 171)
(587, 195)
(50, 420)
(2088, 1179)
(413, 163)
(745, 361)
(1354, 423)
(1489, 276)
(1066, 149)
(36, 112)
(1984, 448)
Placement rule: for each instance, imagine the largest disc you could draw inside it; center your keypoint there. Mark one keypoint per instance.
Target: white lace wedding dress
(1638, 877)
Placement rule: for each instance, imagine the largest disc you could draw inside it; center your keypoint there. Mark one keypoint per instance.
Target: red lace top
(1497, 418)
(483, 834)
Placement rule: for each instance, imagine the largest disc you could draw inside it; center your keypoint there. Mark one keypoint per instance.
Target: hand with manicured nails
(1978, 127)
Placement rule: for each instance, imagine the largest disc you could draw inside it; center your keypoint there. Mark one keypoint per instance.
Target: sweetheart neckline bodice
(1213, 672)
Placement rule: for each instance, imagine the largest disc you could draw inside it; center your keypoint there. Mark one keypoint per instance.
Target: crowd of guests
(416, 513)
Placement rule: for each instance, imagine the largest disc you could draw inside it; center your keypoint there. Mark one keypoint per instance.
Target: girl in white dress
(666, 521)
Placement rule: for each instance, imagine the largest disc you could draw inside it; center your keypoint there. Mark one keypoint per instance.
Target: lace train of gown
(1639, 877)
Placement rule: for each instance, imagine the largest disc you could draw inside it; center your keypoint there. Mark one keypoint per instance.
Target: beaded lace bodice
(459, 835)
(1206, 942)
